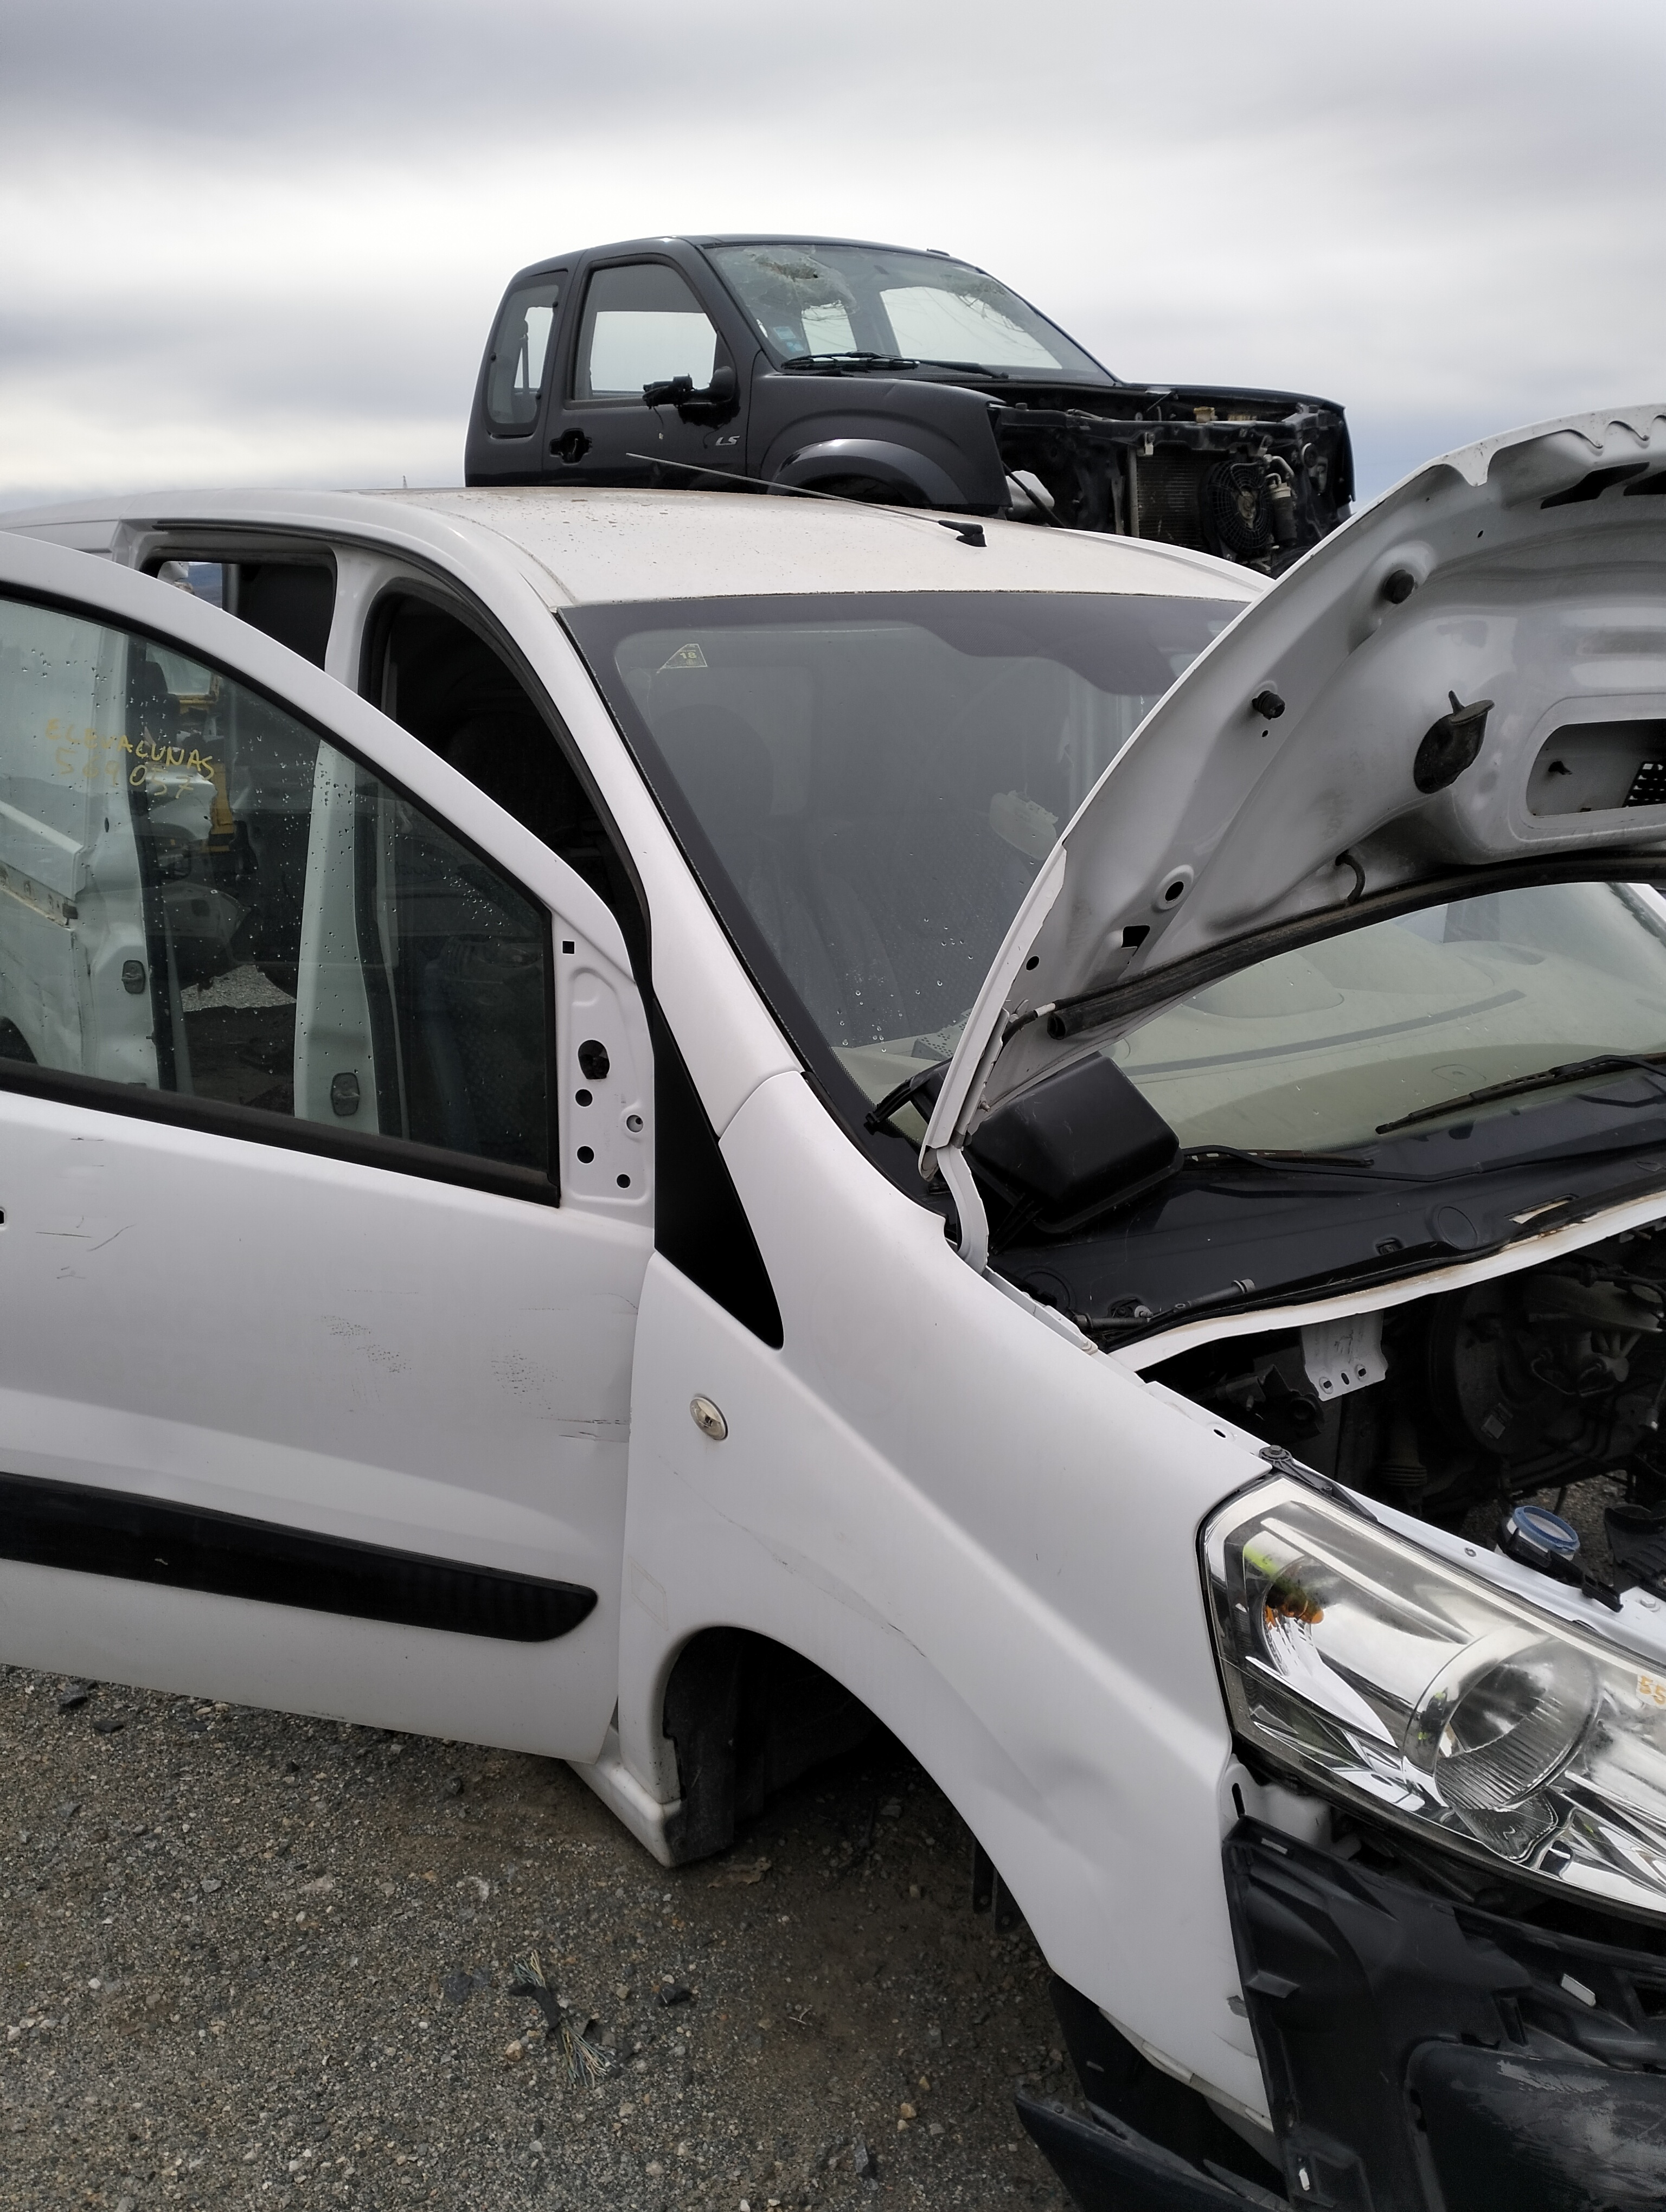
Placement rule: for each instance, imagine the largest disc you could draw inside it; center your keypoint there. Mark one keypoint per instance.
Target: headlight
(1385, 1674)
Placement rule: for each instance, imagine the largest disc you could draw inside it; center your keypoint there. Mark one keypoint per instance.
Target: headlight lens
(1390, 1676)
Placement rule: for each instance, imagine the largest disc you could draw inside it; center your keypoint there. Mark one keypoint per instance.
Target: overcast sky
(245, 244)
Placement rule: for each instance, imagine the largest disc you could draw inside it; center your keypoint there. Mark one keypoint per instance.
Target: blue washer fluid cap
(1539, 1538)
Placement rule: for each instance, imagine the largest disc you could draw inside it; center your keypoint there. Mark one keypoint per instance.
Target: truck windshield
(830, 300)
(868, 783)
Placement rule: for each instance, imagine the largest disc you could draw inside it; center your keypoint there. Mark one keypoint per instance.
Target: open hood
(1470, 673)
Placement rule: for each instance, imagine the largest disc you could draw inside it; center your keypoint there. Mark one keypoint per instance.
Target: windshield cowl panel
(1214, 1239)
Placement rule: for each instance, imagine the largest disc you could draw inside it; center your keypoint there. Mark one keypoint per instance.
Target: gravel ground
(253, 1961)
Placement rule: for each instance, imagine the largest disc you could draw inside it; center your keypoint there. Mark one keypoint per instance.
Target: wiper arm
(975, 368)
(1570, 1071)
(850, 359)
(927, 1081)
(1134, 1313)
(1200, 1156)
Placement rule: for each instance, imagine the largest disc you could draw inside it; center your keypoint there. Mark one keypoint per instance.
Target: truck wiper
(973, 367)
(850, 359)
(1570, 1071)
(855, 360)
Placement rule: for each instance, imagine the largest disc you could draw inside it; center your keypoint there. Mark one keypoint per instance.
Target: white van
(754, 1135)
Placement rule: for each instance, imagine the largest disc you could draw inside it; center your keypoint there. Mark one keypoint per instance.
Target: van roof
(595, 546)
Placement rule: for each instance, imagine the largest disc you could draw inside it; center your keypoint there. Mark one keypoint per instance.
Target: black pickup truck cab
(879, 373)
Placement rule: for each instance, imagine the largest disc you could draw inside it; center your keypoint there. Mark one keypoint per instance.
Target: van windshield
(821, 300)
(868, 783)
(1401, 1022)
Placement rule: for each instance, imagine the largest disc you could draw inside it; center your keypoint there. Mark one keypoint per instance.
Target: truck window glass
(520, 349)
(825, 299)
(199, 894)
(642, 325)
(941, 322)
(870, 783)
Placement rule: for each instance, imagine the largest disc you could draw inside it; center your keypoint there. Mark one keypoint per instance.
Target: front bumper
(1420, 2056)
(1151, 2144)
(1255, 491)
(1107, 2167)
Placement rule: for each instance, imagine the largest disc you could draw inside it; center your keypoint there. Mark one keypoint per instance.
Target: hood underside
(1469, 676)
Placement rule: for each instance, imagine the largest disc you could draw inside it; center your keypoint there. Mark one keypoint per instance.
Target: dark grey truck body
(1254, 475)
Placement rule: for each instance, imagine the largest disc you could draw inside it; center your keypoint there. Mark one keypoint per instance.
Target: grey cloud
(1458, 84)
(1448, 218)
(370, 359)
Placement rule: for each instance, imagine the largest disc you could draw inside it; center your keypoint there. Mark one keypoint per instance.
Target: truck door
(325, 1179)
(510, 396)
(640, 323)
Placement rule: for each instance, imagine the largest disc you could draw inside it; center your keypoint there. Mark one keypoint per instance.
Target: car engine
(1489, 1394)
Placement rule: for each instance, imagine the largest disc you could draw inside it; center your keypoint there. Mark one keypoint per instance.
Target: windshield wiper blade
(1203, 1156)
(928, 1079)
(851, 359)
(974, 367)
(1570, 1071)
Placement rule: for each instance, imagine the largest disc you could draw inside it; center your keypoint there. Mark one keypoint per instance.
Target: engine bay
(1253, 478)
(1478, 1397)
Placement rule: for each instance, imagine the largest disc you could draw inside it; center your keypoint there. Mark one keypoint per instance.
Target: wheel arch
(914, 477)
(715, 1719)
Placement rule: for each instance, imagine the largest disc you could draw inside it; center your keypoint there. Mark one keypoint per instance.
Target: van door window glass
(203, 579)
(642, 325)
(199, 894)
(293, 601)
(520, 349)
(442, 681)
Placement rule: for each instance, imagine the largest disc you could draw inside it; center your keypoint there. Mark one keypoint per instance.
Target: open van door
(319, 1316)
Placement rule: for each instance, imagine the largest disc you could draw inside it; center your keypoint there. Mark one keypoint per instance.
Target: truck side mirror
(672, 391)
(714, 404)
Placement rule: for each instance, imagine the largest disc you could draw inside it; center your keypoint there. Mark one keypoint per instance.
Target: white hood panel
(1528, 570)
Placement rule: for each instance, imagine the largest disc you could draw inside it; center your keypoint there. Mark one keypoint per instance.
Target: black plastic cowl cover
(1075, 1140)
